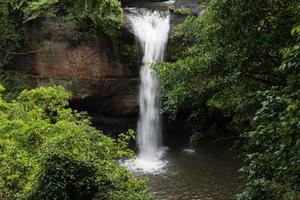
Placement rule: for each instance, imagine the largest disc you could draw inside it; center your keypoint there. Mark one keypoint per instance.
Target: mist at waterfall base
(151, 29)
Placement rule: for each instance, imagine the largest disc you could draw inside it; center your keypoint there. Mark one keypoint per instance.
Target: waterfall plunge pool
(190, 174)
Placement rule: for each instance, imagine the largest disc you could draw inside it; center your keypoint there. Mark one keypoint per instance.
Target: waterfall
(151, 28)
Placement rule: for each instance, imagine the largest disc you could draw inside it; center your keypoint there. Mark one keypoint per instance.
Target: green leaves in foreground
(48, 151)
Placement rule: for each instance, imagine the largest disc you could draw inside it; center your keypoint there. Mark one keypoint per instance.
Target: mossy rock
(182, 11)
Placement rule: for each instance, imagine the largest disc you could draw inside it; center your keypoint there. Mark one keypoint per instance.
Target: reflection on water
(191, 175)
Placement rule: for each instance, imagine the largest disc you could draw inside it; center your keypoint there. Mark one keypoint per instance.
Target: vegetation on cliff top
(242, 60)
(95, 16)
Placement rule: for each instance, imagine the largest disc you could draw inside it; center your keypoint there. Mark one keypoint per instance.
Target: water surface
(195, 176)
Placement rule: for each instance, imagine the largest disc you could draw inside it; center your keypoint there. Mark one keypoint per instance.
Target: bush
(48, 151)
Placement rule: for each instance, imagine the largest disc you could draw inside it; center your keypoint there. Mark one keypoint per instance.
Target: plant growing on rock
(182, 11)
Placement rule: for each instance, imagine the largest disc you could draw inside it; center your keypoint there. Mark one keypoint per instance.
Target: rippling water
(192, 175)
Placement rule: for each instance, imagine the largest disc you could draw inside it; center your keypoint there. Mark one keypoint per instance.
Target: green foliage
(101, 16)
(14, 83)
(48, 151)
(225, 60)
(276, 135)
(94, 16)
(273, 172)
(240, 58)
(195, 139)
(129, 55)
(10, 35)
(182, 11)
(35, 9)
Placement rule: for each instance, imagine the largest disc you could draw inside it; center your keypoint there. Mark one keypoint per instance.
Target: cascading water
(189, 174)
(151, 29)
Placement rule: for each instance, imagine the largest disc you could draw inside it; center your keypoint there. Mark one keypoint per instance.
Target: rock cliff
(100, 72)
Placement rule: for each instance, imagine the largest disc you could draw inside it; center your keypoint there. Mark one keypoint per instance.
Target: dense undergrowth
(48, 151)
(242, 58)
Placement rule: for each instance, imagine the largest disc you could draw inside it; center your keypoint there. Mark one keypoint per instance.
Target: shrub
(48, 151)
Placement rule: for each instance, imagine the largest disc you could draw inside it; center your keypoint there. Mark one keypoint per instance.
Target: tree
(48, 151)
(241, 59)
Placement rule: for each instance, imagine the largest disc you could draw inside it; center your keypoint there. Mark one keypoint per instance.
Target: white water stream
(151, 28)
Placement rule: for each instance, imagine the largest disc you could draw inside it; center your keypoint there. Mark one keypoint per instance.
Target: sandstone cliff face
(89, 66)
